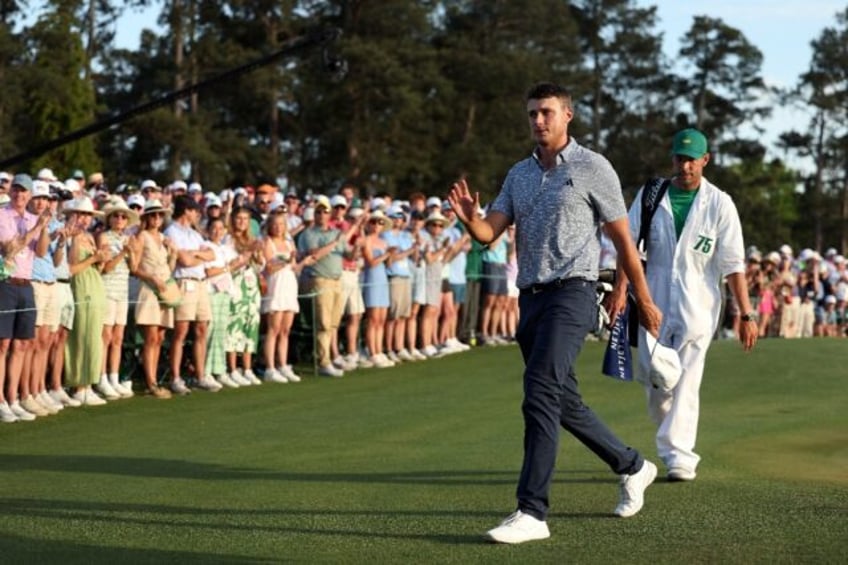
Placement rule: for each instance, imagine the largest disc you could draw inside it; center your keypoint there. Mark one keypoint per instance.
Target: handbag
(172, 296)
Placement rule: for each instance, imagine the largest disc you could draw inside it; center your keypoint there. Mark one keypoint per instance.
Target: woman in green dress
(83, 350)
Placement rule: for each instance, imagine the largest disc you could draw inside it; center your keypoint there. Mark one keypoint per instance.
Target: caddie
(694, 243)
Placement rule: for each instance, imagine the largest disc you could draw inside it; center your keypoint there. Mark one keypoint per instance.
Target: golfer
(558, 199)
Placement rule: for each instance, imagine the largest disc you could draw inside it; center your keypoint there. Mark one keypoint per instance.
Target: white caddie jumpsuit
(685, 279)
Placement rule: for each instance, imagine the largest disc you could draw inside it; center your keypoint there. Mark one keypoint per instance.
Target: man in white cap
(695, 243)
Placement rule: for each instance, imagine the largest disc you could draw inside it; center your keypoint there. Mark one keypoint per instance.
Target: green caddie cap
(689, 142)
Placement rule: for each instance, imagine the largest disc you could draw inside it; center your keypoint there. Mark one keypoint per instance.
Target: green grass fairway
(413, 464)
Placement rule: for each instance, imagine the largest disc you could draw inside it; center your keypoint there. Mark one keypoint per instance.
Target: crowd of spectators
(798, 296)
(212, 283)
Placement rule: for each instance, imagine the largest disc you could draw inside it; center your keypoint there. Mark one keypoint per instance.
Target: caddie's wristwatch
(749, 317)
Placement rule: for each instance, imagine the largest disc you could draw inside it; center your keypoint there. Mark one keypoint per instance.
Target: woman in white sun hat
(84, 348)
(118, 217)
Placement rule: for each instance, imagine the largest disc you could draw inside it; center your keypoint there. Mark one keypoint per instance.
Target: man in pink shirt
(22, 236)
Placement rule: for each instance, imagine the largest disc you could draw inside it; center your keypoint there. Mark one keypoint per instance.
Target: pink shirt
(13, 225)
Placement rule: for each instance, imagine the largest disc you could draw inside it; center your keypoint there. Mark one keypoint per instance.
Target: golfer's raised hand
(463, 202)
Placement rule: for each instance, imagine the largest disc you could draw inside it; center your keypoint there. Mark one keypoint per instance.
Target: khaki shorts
(46, 305)
(352, 293)
(400, 297)
(116, 312)
(196, 306)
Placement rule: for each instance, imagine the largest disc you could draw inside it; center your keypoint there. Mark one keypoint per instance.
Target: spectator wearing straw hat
(157, 258)
(435, 247)
(118, 219)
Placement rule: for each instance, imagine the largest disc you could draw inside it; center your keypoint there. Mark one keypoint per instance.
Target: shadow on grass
(223, 521)
(226, 522)
(179, 469)
(16, 549)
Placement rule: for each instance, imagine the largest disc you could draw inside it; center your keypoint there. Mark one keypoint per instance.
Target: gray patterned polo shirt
(558, 213)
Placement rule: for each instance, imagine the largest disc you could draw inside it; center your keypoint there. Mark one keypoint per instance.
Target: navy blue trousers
(553, 327)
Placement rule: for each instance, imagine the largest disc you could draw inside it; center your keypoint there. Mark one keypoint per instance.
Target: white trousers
(676, 412)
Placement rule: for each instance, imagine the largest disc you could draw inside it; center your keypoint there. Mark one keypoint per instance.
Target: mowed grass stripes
(412, 464)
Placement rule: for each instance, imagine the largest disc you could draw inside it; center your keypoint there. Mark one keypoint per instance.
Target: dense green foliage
(434, 90)
(413, 464)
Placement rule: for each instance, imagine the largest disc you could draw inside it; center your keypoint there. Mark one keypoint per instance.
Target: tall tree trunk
(274, 100)
(91, 37)
(816, 196)
(177, 30)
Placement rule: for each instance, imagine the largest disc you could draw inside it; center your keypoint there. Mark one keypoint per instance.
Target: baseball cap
(689, 142)
(22, 180)
(45, 174)
(135, 200)
(322, 200)
(178, 185)
(213, 200)
(195, 187)
(434, 201)
(40, 189)
(663, 364)
(149, 184)
(338, 200)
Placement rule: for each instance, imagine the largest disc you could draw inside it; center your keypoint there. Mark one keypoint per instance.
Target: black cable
(312, 39)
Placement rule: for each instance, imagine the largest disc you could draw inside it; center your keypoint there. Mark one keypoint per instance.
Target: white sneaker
(105, 389)
(339, 362)
(330, 371)
(633, 487)
(20, 413)
(208, 383)
(417, 355)
(60, 395)
(347, 364)
(45, 399)
(518, 528)
(456, 344)
(31, 405)
(288, 372)
(178, 386)
(225, 380)
(430, 351)
(88, 397)
(404, 355)
(124, 390)
(678, 474)
(6, 414)
(381, 361)
(393, 357)
(239, 378)
(364, 363)
(254, 380)
(275, 376)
